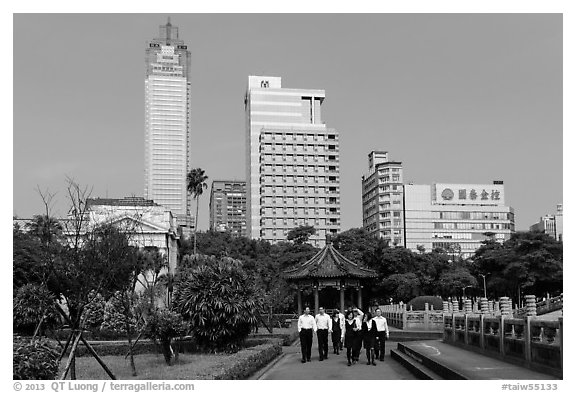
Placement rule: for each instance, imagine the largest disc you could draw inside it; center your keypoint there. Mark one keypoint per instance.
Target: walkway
(335, 367)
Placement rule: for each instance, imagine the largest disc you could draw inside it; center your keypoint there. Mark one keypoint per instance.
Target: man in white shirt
(381, 336)
(324, 327)
(306, 325)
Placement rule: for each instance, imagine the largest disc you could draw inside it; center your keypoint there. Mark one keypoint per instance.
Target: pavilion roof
(328, 263)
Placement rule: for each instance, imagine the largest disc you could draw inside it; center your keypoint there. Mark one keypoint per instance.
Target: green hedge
(247, 361)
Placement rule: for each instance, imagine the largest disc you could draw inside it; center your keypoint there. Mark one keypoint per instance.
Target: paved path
(473, 365)
(335, 367)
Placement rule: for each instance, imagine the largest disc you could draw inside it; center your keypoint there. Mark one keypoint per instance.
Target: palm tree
(196, 183)
(45, 228)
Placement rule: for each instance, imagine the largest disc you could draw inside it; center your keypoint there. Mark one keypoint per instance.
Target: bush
(114, 320)
(250, 360)
(37, 359)
(164, 325)
(219, 300)
(418, 303)
(30, 304)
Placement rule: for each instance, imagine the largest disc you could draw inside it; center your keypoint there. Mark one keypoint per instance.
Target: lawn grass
(151, 366)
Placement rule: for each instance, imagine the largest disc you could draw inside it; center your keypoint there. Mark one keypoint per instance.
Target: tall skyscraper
(382, 196)
(167, 122)
(228, 207)
(292, 162)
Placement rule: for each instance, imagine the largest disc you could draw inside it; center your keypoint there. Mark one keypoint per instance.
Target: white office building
(167, 122)
(456, 217)
(292, 162)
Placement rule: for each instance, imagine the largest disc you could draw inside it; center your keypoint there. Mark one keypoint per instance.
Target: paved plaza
(333, 368)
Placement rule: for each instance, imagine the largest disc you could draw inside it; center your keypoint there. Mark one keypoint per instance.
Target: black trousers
(306, 343)
(322, 343)
(380, 347)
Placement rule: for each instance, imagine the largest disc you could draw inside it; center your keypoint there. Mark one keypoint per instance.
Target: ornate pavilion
(329, 270)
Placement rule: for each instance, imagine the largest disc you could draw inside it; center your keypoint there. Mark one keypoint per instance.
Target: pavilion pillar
(316, 300)
(360, 298)
(342, 299)
(299, 301)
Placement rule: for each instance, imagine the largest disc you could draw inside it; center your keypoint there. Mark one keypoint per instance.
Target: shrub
(114, 320)
(36, 359)
(164, 325)
(418, 303)
(249, 360)
(220, 302)
(31, 304)
(94, 311)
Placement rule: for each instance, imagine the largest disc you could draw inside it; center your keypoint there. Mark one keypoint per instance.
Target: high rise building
(456, 217)
(292, 162)
(228, 207)
(167, 122)
(382, 188)
(551, 224)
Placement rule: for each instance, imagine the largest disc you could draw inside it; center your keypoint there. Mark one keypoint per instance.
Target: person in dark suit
(350, 336)
(369, 331)
(357, 346)
(337, 331)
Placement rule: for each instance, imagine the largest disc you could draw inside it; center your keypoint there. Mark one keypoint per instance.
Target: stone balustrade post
(455, 307)
(505, 307)
(445, 307)
(530, 301)
(484, 306)
(467, 306)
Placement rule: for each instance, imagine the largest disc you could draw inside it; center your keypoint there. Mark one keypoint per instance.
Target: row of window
(298, 137)
(474, 226)
(476, 215)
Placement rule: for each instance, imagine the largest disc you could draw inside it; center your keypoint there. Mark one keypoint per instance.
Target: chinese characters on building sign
(463, 194)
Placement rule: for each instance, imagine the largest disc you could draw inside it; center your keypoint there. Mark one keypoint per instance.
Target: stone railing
(400, 317)
(528, 341)
(544, 306)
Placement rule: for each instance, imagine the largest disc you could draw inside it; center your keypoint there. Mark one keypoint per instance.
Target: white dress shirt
(359, 317)
(323, 321)
(306, 322)
(381, 325)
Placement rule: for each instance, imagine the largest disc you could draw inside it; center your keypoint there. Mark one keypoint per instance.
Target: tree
(219, 300)
(45, 228)
(301, 234)
(164, 325)
(529, 262)
(196, 184)
(357, 245)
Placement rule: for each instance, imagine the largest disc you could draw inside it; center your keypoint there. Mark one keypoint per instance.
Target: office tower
(292, 162)
(551, 224)
(228, 207)
(382, 188)
(456, 217)
(167, 122)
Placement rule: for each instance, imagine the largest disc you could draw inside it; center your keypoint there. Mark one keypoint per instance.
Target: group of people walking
(350, 331)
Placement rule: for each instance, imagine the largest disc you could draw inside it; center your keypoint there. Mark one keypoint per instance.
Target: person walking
(324, 327)
(382, 334)
(306, 325)
(369, 337)
(357, 346)
(337, 331)
(342, 319)
(350, 333)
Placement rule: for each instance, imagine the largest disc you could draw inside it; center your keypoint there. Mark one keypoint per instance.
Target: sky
(458, 98)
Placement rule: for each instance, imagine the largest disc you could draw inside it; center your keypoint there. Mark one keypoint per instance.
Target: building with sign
(292, 162)
(167, 123)
(551, 224)
(228, 207)
(456, 217)
(382, 188)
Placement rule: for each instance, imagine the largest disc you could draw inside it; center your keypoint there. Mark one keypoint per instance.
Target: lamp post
(484, 279)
